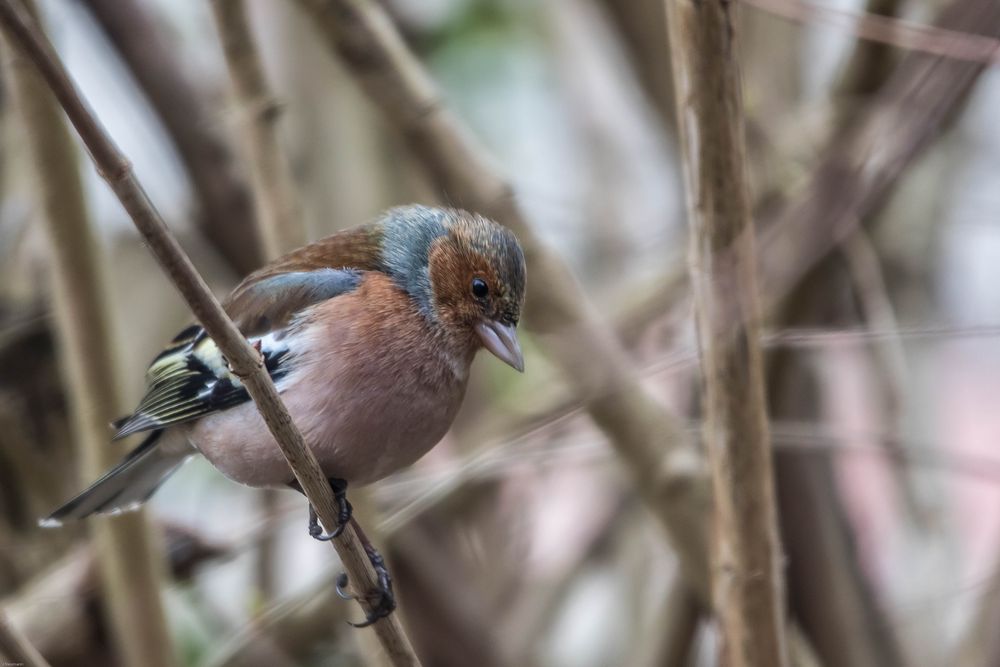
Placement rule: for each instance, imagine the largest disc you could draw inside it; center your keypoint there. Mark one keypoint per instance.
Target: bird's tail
(123, 488)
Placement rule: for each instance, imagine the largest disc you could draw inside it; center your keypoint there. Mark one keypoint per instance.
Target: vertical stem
(279, 217)
(747, 587)
(130, 572)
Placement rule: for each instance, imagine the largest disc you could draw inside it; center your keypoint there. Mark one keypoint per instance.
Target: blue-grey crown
(409, 232)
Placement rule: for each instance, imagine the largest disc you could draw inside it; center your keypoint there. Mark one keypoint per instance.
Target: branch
(828, 591)
(226, 212)
(15, 647)
(747, 585)
(640, 23)
(130, 567)
(244, 360)
(860, 167)
(280, 222)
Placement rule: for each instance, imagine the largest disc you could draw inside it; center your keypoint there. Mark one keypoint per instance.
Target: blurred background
(522, 539)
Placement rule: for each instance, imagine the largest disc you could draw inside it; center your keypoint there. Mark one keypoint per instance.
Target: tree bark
(747, 580)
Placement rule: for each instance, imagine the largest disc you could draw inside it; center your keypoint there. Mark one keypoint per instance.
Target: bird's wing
(191, 378)
(269, 304)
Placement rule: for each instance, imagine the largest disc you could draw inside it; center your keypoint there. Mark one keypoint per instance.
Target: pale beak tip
(519, 364)
(501, 340)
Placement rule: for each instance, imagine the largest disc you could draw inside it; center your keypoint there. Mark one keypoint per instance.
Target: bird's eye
(479, 288)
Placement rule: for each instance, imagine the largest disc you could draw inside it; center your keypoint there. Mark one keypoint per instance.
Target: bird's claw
(382, 599)
(344, 513)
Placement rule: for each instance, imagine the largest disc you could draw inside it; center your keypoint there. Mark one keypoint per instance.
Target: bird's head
(466, 271)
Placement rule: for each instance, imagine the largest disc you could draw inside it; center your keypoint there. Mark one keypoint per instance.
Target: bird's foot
(344, 513)
(382, 599)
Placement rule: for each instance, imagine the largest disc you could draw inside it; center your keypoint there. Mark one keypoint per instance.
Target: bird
(368, 335)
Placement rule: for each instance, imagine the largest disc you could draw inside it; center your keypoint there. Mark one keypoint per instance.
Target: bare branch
(747, 585)
(961, 44)
(828, 591)
(244, 360)
(280, 222)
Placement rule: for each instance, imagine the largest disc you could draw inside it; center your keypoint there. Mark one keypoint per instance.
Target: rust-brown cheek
(452, 272)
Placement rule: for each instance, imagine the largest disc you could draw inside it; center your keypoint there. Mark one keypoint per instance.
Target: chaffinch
(368, 335)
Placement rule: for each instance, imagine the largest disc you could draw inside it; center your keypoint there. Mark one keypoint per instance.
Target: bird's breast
(369, 387)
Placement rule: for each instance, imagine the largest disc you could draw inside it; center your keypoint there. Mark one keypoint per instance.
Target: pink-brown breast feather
(373, 389)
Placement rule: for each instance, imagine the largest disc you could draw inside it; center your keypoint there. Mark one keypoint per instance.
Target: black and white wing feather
(191, 378)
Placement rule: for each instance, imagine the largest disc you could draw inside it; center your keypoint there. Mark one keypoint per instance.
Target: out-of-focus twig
(828, 591)
(130, 569)
(641, 25)
(59, 611)
(280, 222)
(279, 219)
(888, 354)
(226, 212)
(243, 359)
(958, 43)
(15, 646)
(287, 631)
(747, 579)
(860, 168)
(869, 64)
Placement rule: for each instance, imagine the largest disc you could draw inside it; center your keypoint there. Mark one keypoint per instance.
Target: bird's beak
(501, 340)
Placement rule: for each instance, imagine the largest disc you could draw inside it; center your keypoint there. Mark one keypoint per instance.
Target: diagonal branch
(15, 647)
(244, 360)
(224, 202)
(130, 567)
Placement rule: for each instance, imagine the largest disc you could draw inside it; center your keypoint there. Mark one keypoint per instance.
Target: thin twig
(929, 39)
(244, 360)
(16, 648)
(747, 581)
(280, 220)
